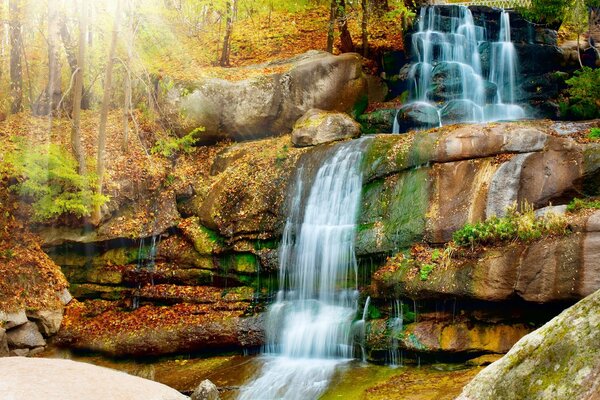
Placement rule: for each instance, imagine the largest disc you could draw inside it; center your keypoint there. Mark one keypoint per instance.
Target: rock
(549, 270)
(483, 360)
(417, 116)
(9, 320)
(270, 104)
(318, 127)
(26, 335)
(37, 378)
(557, 210)
(558, 361)
(19, 352)
(48, 321)
(456, 111)
(206, 390)
(3, 343)
(35, 351)
(184, 328)
(64, 296)
(378, 121)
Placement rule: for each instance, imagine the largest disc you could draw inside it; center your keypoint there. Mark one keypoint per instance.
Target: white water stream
(309, 327)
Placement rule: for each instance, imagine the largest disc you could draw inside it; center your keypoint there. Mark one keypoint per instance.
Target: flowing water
(309, 327)
(448, 75)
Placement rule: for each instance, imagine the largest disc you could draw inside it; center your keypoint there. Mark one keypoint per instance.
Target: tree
(127, 63)
(78, 90)
(16, 68)
(230, 12)
(364, 26)
(578, 20)
(54, 89)
(345, 37)
(338, 13)
(101, 163)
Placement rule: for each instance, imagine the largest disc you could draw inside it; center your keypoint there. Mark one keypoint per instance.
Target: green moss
(242, 263)
(360, 106)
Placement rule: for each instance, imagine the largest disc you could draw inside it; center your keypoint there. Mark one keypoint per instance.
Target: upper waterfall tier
(447, 82)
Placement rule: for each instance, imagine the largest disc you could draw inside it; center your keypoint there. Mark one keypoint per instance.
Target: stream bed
(352, 381)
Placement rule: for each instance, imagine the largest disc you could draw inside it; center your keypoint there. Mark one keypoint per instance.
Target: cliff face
(203, 278)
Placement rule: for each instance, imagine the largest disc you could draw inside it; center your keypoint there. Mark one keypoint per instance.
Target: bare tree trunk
(364, 26)
(346, 39)
(54, 89)
(78, 90)
(331, 26)
(129, 45)
(230, 12)
(101, 163)
(16, 68)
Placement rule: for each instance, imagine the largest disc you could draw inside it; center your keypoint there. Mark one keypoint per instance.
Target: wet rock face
(318, 127)
(268, 105)
(559, 360)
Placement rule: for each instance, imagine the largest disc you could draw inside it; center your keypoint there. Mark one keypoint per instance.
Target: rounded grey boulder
(318, 126)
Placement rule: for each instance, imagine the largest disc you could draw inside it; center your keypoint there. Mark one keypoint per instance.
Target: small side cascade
(395, 326)
(448, 83)
(360, 328)
(146, 262)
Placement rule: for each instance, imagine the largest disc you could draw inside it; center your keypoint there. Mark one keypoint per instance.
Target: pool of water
(353, 380)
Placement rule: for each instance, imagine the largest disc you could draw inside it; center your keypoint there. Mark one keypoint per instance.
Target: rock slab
(55, 379)
(558, 361)
(318, 127)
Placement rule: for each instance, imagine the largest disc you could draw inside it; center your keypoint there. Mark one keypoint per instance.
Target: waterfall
(309, 327)
(396, 326)
(447, 74)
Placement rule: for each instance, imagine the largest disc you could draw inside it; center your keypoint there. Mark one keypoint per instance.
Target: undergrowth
(515, 225)
(583, 204)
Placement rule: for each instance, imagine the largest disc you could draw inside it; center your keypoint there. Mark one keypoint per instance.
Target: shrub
(583, 204)
(550, 12)
(48, 176)
(171, 146)
(516, 225)
(594, 134)
(584, 90)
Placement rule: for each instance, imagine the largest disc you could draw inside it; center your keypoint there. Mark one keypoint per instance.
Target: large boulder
(48, 321)
(11, 319)
(318, 127)
(417, 116)
(271, 103)
(25, 336)
(52, 379)
(558, 361)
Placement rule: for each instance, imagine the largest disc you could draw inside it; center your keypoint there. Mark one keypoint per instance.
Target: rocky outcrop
(268, 105)
(206, 390)
(318, 127)
(33, 378)
(559, 360)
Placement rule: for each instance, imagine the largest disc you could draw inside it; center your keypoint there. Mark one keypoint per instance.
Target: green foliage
(551, 12)
(594, 134)
(516, 225)
(585, 95)
(171, 146)
(425, 271)
(48, 176)
(583, 204)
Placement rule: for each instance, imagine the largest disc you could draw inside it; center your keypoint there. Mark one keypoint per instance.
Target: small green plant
(171, 146)
(594, 134)
(282, 154)
(583, 204)
(425, 271)
(48, 176)
(515, 225)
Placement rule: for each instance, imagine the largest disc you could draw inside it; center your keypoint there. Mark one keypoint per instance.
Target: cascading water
(447, 83)
(309, 327)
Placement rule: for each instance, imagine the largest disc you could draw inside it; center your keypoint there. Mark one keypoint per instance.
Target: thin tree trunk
(364, 26)
(129, 45)
(579, 51)
(101, 163)
(78, 90)
(16, 68)
(54, 89)
(331, 26)
(231, 11)
(346, 39)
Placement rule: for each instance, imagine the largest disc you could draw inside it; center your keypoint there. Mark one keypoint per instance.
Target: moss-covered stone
(393, 212)
(240, 263)
(558, 361)
(205, 241)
